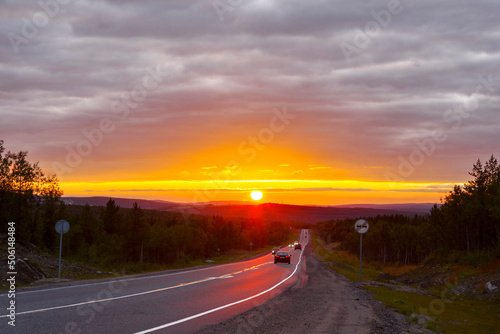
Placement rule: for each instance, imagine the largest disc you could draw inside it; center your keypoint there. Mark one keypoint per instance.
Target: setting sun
(256, 195)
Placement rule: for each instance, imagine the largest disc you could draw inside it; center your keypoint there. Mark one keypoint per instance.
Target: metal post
(360, 253)
(60, 252)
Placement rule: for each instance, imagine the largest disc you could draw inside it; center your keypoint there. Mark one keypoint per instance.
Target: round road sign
(361, 226)
(62, 226)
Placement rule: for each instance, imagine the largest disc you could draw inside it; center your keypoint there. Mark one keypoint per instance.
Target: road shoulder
(324, 303)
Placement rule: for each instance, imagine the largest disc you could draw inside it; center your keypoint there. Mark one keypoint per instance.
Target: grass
(137, 268)
(445, 316)
(239, 255)
(347, 264)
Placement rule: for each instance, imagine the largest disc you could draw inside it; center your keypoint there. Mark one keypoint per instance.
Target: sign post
(62, 227)
(361, 226)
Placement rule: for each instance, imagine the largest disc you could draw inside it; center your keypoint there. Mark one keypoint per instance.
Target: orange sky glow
(166, 100)
(300, 192)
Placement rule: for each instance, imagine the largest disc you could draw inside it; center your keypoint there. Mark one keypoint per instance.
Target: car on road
(282, 257)
(274, 251)
(298, 246)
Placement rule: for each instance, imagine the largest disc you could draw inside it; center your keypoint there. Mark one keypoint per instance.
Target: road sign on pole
(62, 227)
(361, 226)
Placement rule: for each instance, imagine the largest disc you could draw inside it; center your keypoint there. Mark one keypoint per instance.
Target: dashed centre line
(229, 275)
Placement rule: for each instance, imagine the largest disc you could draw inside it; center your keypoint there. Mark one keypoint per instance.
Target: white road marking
(121, 279)
(221, 307)
(168, 288)
(138, 293)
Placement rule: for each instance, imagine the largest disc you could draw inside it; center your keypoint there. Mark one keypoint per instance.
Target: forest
(110, 234)
(120, 237)
(465, 225)
(464, 228)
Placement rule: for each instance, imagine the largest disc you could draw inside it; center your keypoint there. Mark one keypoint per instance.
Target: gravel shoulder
(321, 302)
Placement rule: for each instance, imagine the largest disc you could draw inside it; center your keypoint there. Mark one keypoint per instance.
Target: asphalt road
(167, 302)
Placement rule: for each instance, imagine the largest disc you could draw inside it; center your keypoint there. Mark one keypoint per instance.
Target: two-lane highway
(167, 302)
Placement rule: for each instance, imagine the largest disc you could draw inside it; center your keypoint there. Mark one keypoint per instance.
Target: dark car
(282, 257)
(274, 251)
(298, 246)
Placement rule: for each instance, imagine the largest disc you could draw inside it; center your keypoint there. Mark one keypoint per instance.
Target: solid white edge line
(112, 298)
(118, 278)
(169, 288)
(133, 294)
(224, 306)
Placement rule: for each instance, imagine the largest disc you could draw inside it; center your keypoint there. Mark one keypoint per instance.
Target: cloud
(328, 189)
(314, 167)
(239, 190)
(208, 168)
(222, 79)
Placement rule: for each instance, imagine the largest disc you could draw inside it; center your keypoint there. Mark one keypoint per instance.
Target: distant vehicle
(291, 245)
(275, 250)
(298, 246)
(282, 257)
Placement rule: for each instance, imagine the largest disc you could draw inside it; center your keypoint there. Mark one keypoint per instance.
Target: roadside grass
(239, 255)
(232, 255)
(347, 264)
(229, 256)
(444, 316)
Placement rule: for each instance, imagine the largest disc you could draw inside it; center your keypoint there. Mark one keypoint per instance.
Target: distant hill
(419, 208)
(305, 214)
(122, 202)
(266, 211)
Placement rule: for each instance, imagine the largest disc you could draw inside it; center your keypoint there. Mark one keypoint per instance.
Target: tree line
(114, 236)
(467, 222)
(28, 197)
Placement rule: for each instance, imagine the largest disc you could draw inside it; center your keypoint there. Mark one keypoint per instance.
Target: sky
(312, 102)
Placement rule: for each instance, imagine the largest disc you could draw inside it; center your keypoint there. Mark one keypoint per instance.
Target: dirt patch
(394, 287)
(460, 282)
(35, 267)
(326, 303)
